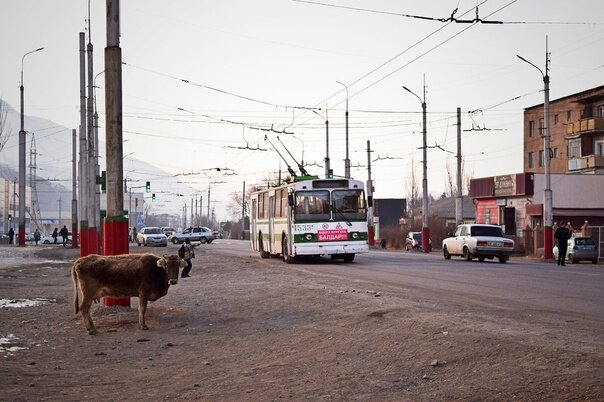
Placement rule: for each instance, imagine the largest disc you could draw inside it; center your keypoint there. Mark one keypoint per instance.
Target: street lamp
(547, 192)
(22, 161)
(347, 160)
(328, 172)
(425, 229)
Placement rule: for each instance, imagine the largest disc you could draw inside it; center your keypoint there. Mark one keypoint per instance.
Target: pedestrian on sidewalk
(64, 234)
(11, 236)
(55, 234)
(563, 235)
(37, 236)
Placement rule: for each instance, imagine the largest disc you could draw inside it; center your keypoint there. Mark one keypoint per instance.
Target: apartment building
(576, 134)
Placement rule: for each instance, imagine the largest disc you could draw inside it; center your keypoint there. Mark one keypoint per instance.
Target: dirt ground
(258, 330)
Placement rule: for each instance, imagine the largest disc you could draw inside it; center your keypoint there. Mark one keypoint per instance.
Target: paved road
(522, 283)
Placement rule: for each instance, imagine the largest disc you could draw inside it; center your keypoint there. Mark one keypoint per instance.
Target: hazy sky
(260, 62)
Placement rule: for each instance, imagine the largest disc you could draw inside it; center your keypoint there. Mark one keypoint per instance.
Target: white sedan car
(478, 241)
(151, 236)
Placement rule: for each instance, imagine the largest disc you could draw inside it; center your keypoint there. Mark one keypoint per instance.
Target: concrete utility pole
(83, 188)
(347, 160)
(459, 198)
(22, 139)
(115, 228)
(425, 229)
(243, 208)
(74, 189)
(370, 231)
(93, 214)
(548, 240)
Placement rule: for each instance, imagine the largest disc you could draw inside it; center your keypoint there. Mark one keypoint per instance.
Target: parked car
(168, 231)
(478, 241)
(201, 234)
(414, 241)
(580, 248)
(151, 236)
(48, 239)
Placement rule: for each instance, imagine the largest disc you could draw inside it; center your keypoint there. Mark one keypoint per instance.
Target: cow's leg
(85, 309)
(142, 308)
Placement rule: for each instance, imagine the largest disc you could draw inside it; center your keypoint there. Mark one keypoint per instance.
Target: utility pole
(116, 225)
(93, 214)
(547, 192)
(83, 187)
(425, 229)
(74, 187)
(370, 231)
(459, 198)
(192, 213)
(243, 208)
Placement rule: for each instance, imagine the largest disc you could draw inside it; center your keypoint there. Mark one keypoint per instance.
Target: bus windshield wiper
(338, 211)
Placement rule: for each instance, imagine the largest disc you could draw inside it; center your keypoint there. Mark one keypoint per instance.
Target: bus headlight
(309, 236)
(355, 235)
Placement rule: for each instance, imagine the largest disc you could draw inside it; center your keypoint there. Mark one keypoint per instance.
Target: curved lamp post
(425, 229)
(22, 199)
(547, 192)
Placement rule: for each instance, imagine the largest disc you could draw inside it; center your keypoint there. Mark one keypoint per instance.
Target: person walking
(55, 234)
(64, 234)
(11, 236)
(186, 252)
(37, 236)
(563, 235)
(134, 234)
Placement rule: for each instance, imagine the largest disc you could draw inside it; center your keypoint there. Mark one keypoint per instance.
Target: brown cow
(145, 276)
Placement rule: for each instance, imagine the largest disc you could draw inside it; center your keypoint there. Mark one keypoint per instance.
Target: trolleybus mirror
(290, 200)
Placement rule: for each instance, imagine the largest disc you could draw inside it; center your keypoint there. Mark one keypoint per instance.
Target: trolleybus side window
(263, 205)
(312, 205)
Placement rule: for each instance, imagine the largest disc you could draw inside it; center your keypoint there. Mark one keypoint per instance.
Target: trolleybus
(310, 217)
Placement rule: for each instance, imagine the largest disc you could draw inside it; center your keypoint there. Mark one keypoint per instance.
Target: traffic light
(148, 187)
(10, 217)
(153, 197)
(103, 181)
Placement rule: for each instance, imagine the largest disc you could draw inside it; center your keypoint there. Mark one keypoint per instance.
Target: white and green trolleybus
(310, 217)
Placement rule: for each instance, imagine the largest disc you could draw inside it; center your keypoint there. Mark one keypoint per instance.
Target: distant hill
(53, 144)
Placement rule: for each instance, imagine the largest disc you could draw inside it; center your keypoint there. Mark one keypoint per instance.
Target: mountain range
(49, 148)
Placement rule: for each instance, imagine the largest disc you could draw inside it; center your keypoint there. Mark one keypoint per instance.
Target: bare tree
(413, 193)
(5, 131)
(450, 182)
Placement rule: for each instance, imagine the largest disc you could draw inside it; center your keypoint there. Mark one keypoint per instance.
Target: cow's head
(171, 263)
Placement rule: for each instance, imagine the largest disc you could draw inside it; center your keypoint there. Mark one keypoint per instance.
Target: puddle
(7, 345)
(14, 303)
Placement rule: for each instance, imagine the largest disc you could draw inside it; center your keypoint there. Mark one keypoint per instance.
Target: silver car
(580, 248)
(151, 236)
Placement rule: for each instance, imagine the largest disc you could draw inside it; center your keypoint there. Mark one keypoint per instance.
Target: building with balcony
(576, 134)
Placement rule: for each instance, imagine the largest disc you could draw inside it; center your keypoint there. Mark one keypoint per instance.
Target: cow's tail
(74, 278)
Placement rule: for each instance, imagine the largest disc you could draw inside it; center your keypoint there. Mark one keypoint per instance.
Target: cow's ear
(161, 263)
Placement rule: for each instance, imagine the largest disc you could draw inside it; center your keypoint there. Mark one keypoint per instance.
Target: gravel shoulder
(243, 328)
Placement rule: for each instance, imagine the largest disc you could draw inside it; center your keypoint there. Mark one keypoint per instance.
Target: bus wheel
(287, 258)
(349, 257)
(263, 254)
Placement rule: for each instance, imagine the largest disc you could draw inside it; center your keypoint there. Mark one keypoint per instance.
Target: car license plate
(495, 244)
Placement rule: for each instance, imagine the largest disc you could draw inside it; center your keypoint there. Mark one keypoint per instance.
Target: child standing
(186, 252)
